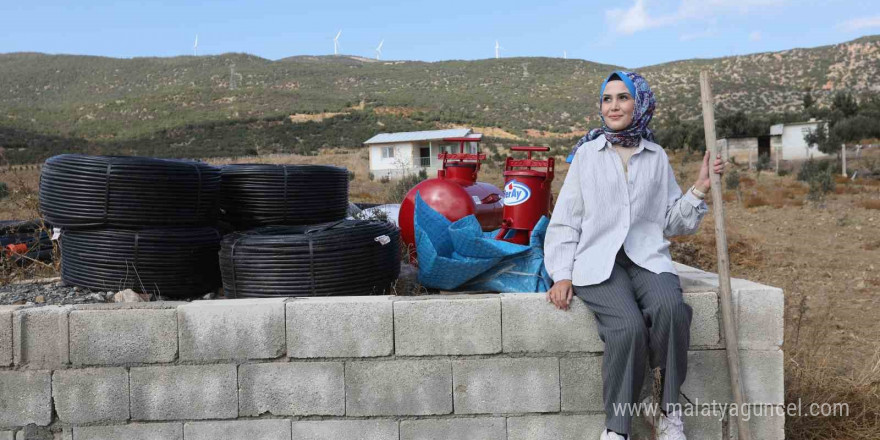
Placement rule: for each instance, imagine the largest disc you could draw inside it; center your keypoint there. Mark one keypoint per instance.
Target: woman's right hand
(560, 294)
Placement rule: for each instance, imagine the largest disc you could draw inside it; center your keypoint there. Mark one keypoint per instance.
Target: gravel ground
(53, 292)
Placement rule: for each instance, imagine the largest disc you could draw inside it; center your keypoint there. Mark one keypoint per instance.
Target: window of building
(387, 152)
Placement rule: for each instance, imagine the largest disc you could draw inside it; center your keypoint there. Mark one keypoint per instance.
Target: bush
(821, 183)
(812, 168)
(783, 172)
(732, 180)
(398, 191)
(384, 179)
(350, 175)
(371, 176)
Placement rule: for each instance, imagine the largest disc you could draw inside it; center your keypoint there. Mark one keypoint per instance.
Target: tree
(808, 100)
(845, 103)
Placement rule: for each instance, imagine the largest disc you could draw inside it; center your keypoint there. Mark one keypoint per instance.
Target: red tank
(527, 194)
(455, 193)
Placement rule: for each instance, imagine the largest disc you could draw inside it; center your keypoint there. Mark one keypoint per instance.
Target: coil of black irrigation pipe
(345, 257)
(80, 191)
(170, 262)
(255, 195)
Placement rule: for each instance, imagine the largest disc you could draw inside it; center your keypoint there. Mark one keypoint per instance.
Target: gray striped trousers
(639, 314)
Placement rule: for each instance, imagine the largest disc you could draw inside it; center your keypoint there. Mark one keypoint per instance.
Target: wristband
(700, 195)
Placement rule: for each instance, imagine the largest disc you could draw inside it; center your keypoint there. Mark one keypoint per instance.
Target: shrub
(350, 175)
(821, 183)
(384, 179)
(732, 180)
(371, 176)
(398, 191)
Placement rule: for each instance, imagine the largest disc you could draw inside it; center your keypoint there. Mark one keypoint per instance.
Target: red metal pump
(455, 193)
(527, 195)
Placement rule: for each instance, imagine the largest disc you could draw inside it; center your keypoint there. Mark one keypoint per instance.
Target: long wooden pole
(727, 318)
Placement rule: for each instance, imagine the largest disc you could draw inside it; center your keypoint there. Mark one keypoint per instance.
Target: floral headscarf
(642, 114)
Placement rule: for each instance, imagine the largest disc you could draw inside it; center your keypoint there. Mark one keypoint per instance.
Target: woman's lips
(615, 116)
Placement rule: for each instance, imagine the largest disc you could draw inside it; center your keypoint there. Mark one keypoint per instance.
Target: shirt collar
(643, 144)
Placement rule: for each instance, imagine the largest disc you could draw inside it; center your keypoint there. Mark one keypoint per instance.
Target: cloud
(755, 36)
(637, 18)
(860, 23)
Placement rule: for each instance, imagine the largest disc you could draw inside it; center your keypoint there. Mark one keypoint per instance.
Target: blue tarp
(460, 256)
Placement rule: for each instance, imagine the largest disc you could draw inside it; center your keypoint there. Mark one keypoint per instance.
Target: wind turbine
(336, 43)
(564, 55)
(196, 46)
(497, 49)
(379, 49)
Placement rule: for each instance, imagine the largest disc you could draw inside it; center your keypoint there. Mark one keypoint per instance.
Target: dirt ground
(824, 255)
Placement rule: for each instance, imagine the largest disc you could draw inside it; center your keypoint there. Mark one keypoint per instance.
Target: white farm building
(397, 154)
(789, 139)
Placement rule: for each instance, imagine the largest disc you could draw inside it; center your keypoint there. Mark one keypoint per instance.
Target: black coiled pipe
(264, 194)
(171, 262)
(79, 191)
(346, 257)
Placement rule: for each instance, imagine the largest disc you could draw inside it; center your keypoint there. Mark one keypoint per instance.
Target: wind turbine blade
(338, 34)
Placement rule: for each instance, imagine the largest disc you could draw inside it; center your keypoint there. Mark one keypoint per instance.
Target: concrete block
(372, 429)
(340, 327)
(192, 392)
(760, 317)
(766, 422)
(91, 395)
(267, 429)
(297, 388)
(702, 422)
(7, 435)
(706, 320)
(40, 337)
(25, 398)
(118, 337)
(400, 387)
(447, 326)
(503, 385)
(480, 428)
(581, 383)
(134, 431)
(530, 324)
(708, 378)
(6, 356)
(232, 329)
(557, 427)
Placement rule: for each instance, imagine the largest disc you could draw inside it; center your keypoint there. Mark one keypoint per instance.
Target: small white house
(789, 140)
(397, 154)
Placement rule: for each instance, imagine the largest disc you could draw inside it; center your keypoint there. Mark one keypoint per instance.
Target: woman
(606, 244)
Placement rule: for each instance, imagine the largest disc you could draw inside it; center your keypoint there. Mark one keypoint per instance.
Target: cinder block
(373, 429)
(706, 320)
(267, 429)
(581, 383)
(402, 387)
(500, 385)
(760, 317)
(232, 329)
(25, 398)
(7, 435)
(766, 422)
(480, 428)
(91, 395)
(708, 377)
(6, 336)
(40, 337)
(134, 431)
(530, 324)
(340, 327)
(557, 427)
(193, 392)
(457, 326)
(297, 388)
(118, 337)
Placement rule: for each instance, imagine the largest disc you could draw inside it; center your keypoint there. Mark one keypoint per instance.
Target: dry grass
(870, 204)
(698, 250)
(753, 200)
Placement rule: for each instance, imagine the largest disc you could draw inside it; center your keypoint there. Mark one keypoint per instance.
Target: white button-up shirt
(600, 208)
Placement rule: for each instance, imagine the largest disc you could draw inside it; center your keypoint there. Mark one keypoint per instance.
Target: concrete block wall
(487, 366)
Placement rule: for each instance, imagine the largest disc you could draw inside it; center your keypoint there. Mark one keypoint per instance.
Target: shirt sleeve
(564, 229)
(683, 211)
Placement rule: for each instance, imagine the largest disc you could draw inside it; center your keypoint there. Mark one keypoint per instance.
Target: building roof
(428, 135)
(776, 130)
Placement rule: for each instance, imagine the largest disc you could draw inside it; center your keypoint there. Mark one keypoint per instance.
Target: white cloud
(755, 36)
(860, 23)
(638, 18)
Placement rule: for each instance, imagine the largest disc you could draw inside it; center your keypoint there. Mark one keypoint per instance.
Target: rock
(128, 296)
(40, 299)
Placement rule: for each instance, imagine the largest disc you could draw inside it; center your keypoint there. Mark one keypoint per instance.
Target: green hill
(186, 106)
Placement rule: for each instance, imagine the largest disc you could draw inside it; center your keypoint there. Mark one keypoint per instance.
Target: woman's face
(617, 105)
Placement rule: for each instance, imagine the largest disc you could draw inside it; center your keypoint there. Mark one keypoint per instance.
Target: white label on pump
(516, 193)
(56, 233)
(476, 200)
(383, 239)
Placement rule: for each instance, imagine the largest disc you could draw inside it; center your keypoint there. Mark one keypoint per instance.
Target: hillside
(103, 104)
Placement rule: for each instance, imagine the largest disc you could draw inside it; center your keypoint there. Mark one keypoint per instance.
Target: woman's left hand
(703, 182)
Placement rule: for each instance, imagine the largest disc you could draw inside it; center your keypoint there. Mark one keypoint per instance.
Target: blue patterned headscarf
(642, 114)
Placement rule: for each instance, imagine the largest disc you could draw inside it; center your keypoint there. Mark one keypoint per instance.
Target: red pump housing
(455, 193)
(527, 194)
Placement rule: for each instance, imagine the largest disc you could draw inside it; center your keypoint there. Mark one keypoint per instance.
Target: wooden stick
(727, 318)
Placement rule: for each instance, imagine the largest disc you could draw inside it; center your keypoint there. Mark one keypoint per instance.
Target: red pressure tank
(527, 195)
(455, 193)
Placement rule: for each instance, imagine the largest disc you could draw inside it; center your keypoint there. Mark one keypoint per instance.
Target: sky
(630, 33)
